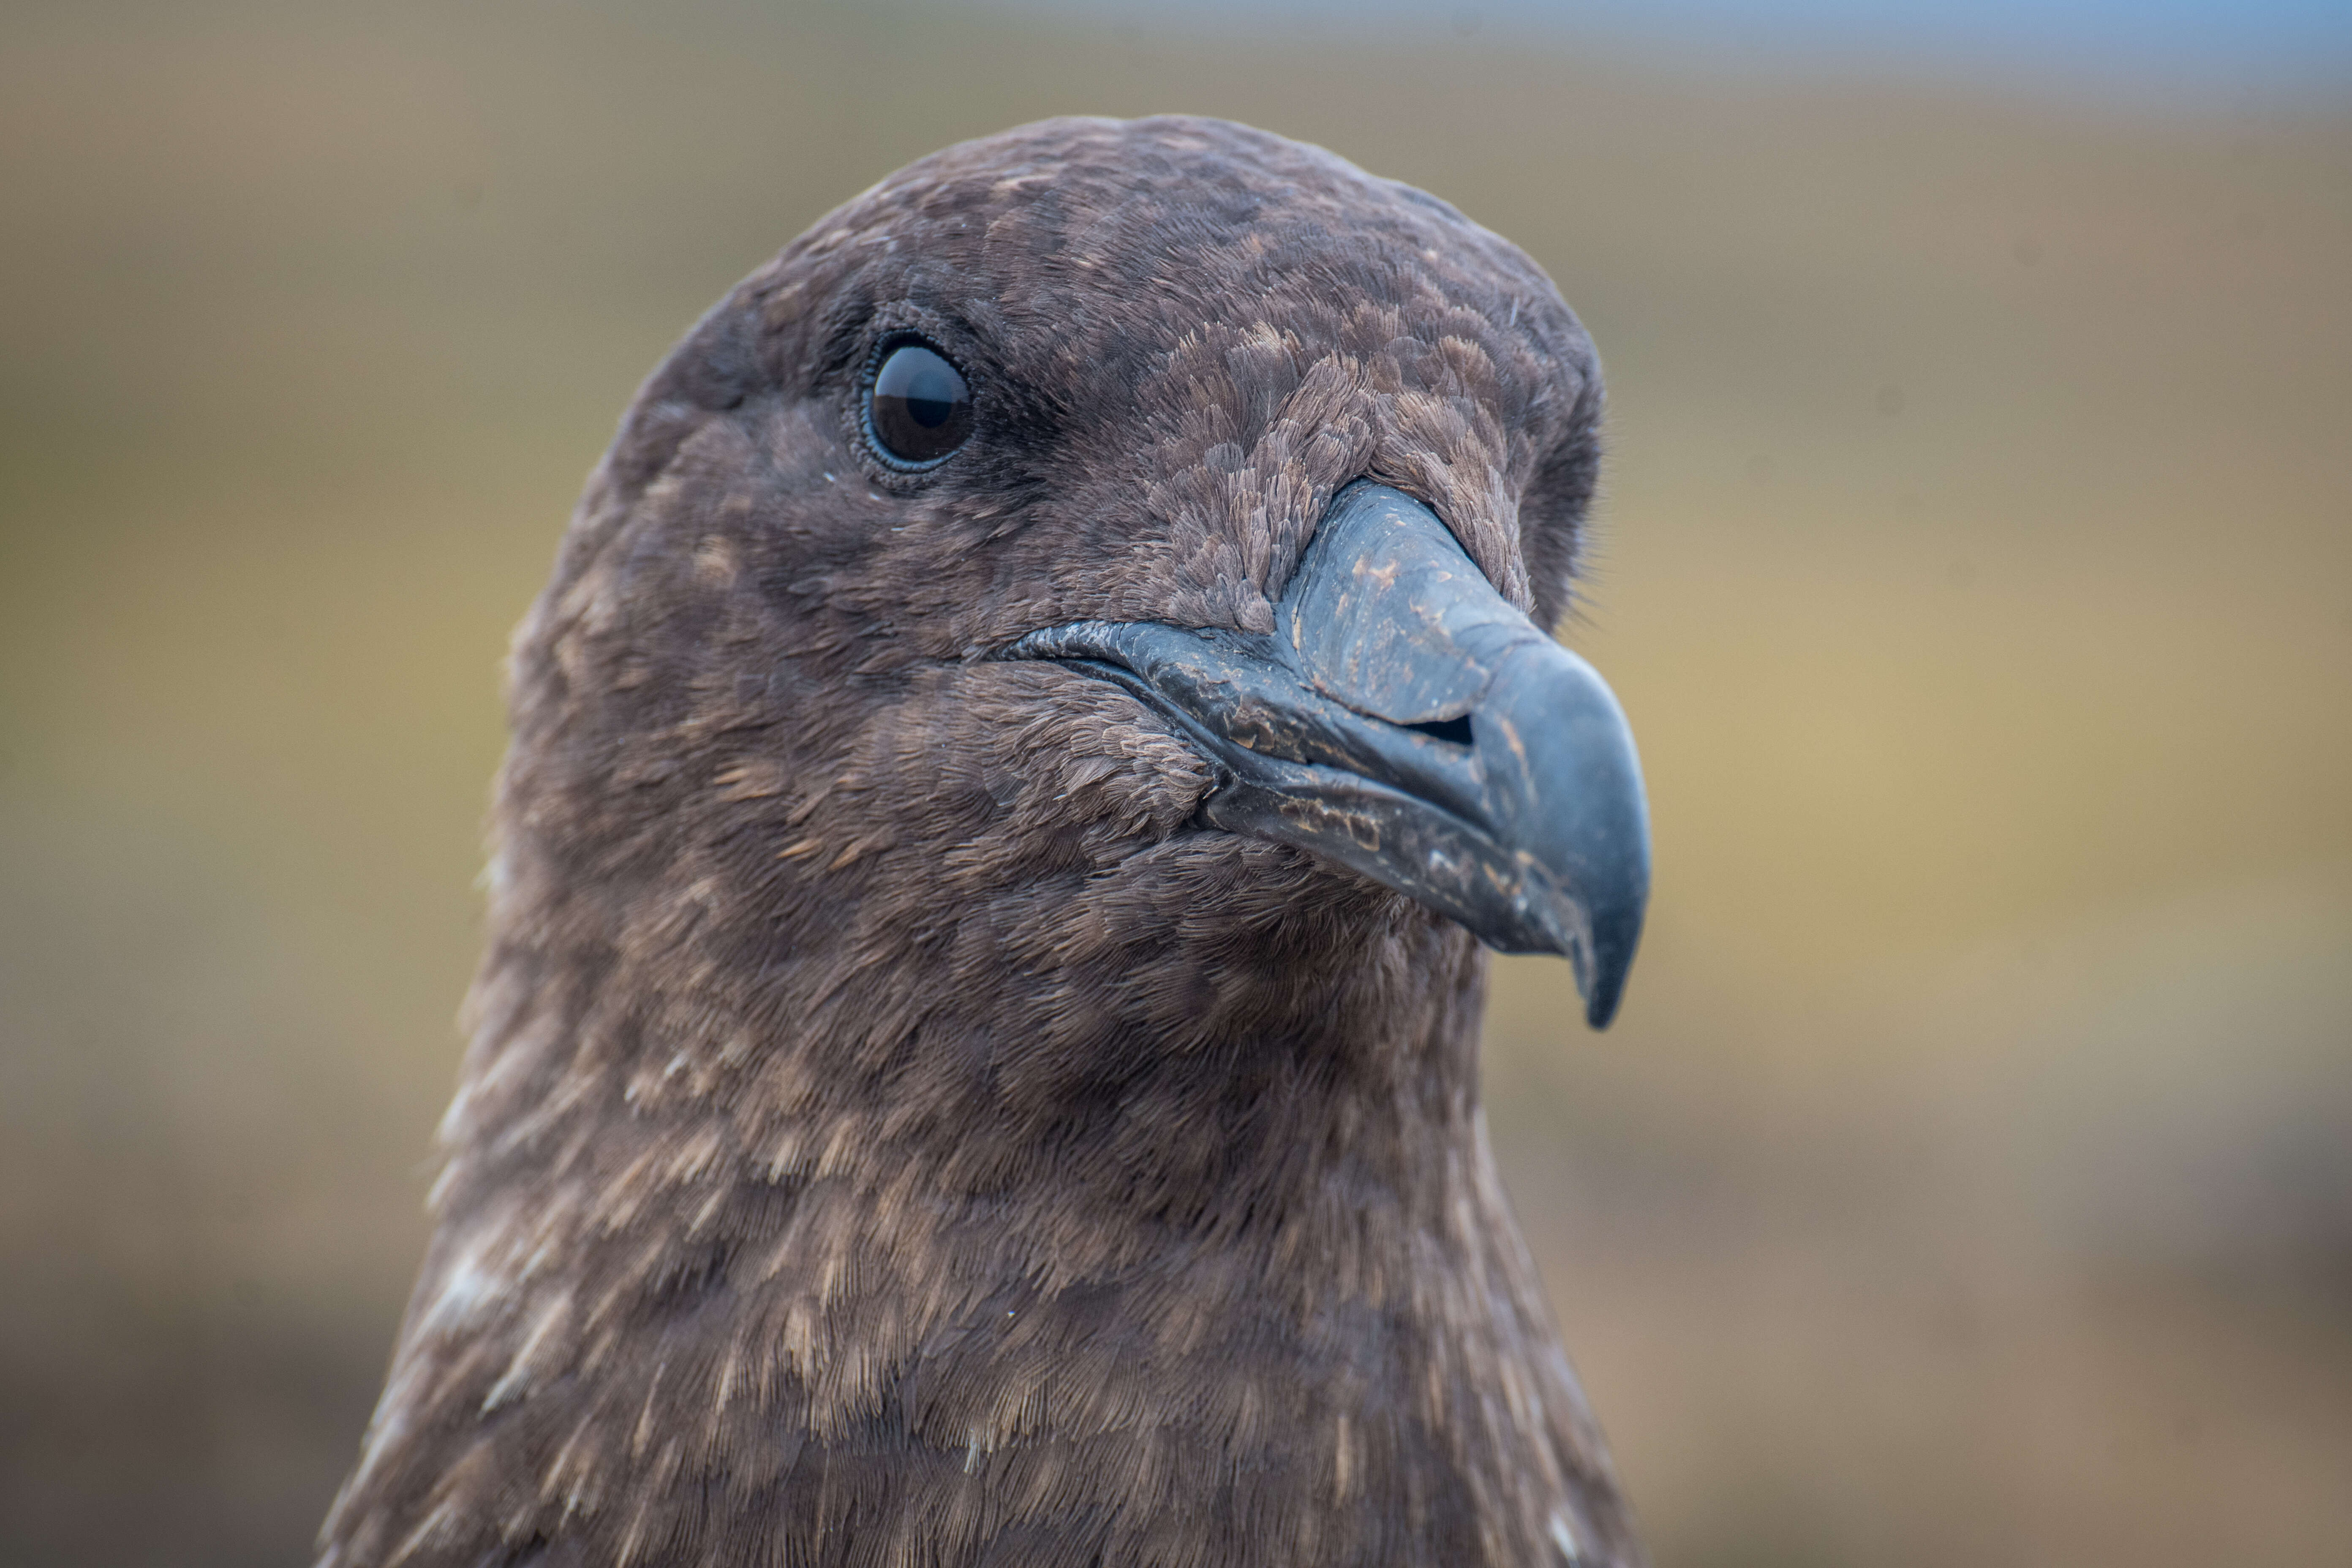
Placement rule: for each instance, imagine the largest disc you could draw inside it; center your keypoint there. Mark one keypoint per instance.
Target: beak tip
(1601, 967)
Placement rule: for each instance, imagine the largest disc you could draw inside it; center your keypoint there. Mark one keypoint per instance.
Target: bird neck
(1201, 1090)
(724, 1243)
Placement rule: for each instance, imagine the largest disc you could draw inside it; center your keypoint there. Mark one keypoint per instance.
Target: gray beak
(1407, 722)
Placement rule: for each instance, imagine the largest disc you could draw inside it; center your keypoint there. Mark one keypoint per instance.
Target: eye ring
(916, 404)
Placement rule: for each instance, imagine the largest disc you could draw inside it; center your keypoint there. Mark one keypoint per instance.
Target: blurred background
(1969, 1178)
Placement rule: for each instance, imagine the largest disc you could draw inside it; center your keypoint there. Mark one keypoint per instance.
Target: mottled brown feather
(895, 1129)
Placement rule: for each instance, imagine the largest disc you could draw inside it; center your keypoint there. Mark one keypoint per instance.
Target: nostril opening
(1455, 731)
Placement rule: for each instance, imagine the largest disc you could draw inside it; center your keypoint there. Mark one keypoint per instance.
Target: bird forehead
(1160, 224)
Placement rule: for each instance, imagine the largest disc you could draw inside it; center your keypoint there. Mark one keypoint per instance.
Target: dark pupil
(922, 409)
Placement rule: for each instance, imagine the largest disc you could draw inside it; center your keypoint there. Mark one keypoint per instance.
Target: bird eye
(919, 409)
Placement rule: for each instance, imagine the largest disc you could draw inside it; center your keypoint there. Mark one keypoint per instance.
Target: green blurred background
(1970, 1178)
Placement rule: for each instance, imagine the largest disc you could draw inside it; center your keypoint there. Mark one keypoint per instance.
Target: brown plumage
(897, 1130)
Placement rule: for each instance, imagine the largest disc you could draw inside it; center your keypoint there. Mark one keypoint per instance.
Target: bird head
(1030, 721)
(1094, 538)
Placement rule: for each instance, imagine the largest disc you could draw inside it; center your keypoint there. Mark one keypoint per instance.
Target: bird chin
(1402, 720)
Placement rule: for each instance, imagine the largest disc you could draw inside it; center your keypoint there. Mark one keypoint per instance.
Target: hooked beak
(1404, 721)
